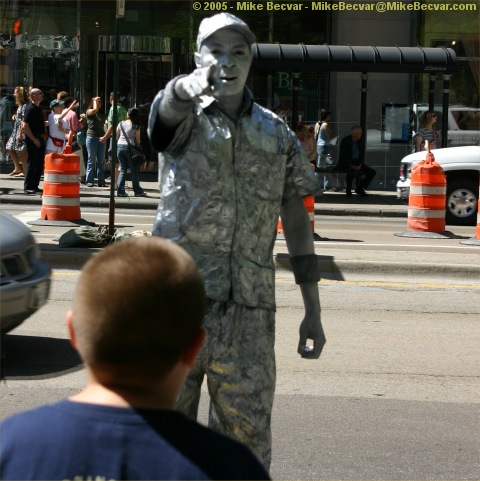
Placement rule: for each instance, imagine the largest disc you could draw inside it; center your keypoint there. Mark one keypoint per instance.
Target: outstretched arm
(188, 88)
(299, 237)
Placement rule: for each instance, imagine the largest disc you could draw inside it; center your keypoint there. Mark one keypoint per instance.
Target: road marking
(281, 280)
(387, 284)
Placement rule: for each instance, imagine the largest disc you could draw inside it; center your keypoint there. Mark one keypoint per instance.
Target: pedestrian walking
(128, 133)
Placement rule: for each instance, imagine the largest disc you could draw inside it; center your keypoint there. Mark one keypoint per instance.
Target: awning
(345, 58)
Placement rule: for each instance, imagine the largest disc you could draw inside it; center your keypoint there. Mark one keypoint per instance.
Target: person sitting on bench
(351, 159)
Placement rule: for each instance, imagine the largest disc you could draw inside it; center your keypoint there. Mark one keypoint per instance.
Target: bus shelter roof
(346, 58)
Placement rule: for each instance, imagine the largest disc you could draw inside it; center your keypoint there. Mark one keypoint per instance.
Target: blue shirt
(71, 440)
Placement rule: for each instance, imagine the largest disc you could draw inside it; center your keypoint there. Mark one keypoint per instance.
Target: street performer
(227, 168)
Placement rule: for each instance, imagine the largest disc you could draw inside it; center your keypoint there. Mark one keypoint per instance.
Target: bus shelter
(363, 59)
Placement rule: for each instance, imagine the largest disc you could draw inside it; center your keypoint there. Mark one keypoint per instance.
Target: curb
(331, 269)
(98, 202)
(361, 212)
(142, 203)
(337, 269)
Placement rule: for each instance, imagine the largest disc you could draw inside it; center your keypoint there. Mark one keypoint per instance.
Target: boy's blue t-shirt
(78, 441)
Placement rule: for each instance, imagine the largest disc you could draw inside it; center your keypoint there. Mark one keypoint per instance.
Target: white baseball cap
(210, 25)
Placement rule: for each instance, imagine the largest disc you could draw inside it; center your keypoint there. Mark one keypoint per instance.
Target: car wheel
(462, 202)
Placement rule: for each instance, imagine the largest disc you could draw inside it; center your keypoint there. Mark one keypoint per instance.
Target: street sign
(120, 8)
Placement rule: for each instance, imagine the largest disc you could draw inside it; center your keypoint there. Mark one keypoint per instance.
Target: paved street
(395, 394)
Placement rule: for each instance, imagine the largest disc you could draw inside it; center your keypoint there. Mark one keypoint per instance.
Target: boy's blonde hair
(137, 307)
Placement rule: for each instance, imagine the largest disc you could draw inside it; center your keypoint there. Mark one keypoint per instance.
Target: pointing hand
(200, 82)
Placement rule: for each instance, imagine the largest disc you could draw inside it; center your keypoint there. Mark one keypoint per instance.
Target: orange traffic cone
(309, 202)
(61, 190)
(427, 200)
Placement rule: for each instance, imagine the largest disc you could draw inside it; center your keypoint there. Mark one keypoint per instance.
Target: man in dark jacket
(352, 160)
(34, 127)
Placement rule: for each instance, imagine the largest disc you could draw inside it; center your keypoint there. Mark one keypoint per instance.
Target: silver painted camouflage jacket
(221, 190)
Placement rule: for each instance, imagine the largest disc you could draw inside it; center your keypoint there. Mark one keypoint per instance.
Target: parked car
(25, 278)
(462, 167)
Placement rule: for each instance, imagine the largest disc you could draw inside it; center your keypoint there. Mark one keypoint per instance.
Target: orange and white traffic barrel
(309, 202)
(61, 189)
(427, 200)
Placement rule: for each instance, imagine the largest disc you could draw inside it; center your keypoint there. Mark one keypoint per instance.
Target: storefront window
(437, 31)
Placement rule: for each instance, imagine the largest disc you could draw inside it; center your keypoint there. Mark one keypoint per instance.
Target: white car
(462, 169)
(25, 278)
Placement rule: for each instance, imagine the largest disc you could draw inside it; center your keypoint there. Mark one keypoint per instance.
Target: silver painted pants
(238, 359)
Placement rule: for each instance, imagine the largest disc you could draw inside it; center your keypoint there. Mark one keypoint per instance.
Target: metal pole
(111, 204)
(431, 92)
(296, 90)
(363, 106)
(446, 99)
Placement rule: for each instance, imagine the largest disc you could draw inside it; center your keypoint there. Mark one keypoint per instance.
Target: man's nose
(226, 60)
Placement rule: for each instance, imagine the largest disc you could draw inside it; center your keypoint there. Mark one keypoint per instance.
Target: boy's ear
(196, 57)
(190, 355)
(71, 331)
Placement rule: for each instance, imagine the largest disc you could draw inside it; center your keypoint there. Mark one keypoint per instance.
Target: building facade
(69, 45)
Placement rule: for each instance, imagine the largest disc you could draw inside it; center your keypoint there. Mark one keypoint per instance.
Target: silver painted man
(227, 169)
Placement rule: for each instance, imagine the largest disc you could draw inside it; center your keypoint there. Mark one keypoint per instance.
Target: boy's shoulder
(71, 425)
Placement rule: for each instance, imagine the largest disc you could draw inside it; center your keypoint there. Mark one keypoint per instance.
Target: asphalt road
(348, 247)
(394, 395)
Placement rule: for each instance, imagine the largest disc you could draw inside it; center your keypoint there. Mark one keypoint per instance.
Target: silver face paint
(231, 53)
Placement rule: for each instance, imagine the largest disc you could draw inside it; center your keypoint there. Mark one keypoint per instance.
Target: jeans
(96, 153)
(125, 161)
(324, 160)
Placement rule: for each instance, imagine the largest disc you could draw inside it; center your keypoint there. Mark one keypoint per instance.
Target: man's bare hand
(200, 82)
(311, 328)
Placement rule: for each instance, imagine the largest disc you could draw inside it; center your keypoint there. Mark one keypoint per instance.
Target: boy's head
(225, 41)
(138, 306)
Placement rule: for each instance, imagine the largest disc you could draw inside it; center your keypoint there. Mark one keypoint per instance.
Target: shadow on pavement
(33, 357)
(327, 265)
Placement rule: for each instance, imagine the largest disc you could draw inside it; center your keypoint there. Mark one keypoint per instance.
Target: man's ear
(196, 58)
(190, 355)
(71, 331)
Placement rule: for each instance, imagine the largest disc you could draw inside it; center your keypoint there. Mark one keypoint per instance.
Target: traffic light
(16, 27)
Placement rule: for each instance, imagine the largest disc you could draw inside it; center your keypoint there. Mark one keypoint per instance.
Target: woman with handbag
(325, 149)
(128, 137)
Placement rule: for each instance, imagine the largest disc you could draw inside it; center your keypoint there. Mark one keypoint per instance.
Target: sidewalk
(377, 204)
